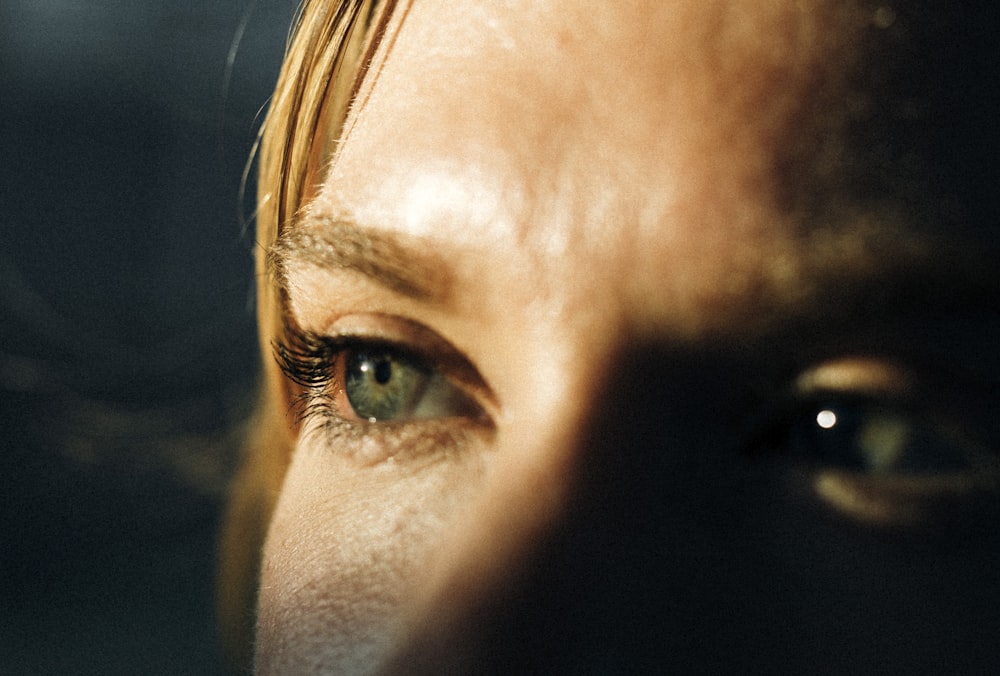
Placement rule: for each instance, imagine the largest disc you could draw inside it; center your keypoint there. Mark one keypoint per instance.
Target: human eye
(390, 386)
(876, 444)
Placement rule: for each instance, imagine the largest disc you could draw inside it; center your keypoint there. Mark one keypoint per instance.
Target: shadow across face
(690, 541)
(801, 481)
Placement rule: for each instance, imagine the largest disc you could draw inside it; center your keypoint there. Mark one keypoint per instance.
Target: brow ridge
(410, 268)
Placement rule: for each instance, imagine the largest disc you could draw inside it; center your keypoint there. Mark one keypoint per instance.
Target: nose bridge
(628, 438)
(587, 552)
(634, 554)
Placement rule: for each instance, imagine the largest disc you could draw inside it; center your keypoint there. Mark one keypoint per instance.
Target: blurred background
(127, 346)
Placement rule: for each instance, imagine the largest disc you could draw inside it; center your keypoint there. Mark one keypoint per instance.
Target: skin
(636, 226)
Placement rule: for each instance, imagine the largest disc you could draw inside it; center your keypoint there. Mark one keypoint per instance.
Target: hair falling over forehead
(331, 45)
(330, 48)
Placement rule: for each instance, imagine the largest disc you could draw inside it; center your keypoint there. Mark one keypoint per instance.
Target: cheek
(345, 549)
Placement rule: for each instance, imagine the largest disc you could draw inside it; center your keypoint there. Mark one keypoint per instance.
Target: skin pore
(630, 252)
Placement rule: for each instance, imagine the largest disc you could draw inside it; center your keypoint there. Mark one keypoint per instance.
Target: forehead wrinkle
(410, 268)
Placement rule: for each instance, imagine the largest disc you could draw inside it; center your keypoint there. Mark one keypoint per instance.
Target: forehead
(698, 148)
(624, 93)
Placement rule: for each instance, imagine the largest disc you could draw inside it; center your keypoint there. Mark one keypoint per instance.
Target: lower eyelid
(900, 500)
(412, 443)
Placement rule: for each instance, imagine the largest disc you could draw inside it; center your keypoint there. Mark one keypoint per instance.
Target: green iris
(382, 385)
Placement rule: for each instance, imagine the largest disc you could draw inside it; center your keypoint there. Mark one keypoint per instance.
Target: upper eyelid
(906, 383)
(858, 375)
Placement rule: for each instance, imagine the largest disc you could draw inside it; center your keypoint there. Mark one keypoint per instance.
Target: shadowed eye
(877, 438)
(870, 440)
(381, 384)
(871, 418)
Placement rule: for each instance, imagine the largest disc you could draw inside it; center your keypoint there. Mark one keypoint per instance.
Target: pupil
(383, 371)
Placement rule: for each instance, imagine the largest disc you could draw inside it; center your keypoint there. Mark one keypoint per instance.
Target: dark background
(127, 347)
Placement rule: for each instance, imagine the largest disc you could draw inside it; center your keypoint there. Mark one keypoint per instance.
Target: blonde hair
(331, 47)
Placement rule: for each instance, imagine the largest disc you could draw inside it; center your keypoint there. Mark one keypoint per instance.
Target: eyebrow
(407, 267)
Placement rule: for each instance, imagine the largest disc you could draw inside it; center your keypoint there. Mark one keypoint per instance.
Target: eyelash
(304, 358)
